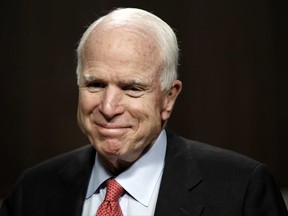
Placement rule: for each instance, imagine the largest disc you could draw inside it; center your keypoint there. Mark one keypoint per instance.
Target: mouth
(112, 130)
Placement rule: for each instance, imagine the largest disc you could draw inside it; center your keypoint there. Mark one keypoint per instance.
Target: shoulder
(77, 156)
(210, 158)
(68, 165)
(221, 177)
(48, 178)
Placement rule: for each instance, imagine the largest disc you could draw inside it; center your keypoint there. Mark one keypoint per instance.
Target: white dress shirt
(141, 182)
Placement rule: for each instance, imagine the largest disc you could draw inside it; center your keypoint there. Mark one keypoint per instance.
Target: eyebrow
(136, 81)
(133, 81)
(89, 78)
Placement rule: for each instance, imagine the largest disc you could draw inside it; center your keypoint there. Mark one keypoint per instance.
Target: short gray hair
(147, 22)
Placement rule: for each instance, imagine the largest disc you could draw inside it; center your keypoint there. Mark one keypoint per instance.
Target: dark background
(233, 67)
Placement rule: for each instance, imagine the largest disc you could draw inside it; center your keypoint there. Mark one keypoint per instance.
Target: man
(127, 77)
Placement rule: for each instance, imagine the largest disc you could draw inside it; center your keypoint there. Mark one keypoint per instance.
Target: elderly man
(127, 77)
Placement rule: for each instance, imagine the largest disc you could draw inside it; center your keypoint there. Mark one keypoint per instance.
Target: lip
(112, 130)
(111, 126)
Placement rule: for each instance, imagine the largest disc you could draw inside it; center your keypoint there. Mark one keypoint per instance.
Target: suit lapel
(72, 186)
(180, 179)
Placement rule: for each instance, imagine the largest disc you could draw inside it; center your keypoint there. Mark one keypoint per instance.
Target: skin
(122, 108)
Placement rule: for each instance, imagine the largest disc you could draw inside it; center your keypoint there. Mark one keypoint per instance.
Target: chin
(111, 148)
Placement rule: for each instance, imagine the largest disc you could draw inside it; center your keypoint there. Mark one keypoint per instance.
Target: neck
(118, 165)
(115, 166)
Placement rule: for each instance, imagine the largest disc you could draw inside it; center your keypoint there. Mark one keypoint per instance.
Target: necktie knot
(113, 190)
(110, 206)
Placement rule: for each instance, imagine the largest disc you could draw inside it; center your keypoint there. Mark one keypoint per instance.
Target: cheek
(150, 111)
(87, 103)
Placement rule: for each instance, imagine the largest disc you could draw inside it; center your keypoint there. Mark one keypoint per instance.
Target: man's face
(121, 105)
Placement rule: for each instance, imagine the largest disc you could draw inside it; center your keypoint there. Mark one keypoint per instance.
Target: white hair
(144, 21)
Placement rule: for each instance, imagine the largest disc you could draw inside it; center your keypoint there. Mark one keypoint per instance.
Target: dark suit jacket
(198, 179)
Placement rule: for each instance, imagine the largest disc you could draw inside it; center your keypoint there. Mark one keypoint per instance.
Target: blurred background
(233, 66)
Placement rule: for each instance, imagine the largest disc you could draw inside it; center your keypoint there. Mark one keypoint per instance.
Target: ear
(170, 99)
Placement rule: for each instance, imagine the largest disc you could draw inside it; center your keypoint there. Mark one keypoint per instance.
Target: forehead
(122, 54)
(121, 45)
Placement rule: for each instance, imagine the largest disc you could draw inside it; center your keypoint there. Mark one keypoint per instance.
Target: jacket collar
(180, 178)
(68, 199)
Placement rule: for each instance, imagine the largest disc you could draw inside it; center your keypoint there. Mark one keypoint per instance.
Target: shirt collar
(141, 178)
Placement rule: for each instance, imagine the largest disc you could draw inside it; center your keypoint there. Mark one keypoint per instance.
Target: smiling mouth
(106, 129)
(110, 126)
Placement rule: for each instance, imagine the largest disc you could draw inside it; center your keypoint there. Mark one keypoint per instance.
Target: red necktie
(110, 206)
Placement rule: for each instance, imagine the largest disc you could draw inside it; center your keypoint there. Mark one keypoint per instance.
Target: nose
(110, 104)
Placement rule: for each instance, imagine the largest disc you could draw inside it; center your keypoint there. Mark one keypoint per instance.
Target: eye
(95, 85)
(133, 90)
